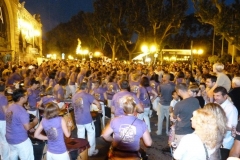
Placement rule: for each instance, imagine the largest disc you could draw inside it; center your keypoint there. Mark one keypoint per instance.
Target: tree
(225, 18)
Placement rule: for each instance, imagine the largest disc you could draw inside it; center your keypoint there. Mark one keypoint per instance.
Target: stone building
(20, 33)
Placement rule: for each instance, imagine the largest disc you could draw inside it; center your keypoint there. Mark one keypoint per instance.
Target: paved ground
(154, 153)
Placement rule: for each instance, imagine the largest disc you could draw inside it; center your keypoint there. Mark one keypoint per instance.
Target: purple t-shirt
(81, 102)
(13, 78)
(3, 102)
(47, 99)
(80, 77)
(98, 93)
(53, 129)
(115, 101)
(144, 98)
(112, 88)
(58, 90)
(33, 97)
(127, 131)
(134, 86)
(16, 117)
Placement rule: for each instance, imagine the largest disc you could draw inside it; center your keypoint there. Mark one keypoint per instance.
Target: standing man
(115, 106)
(4, 149)
(81, 102)
(159, 72)
(221, 97)
(17, 122)
(166, 89)
(222, 79)
(183, 112)
(210, 82)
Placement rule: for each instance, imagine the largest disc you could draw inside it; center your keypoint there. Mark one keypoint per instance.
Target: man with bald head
(166, 89)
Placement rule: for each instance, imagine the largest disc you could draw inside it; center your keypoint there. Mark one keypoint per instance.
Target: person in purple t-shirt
(55, 127)
(33, 97)
(59, 89)
(116, 109)
(81, 102)
(4, 148)
(143, 94)
(17, 122)
(127, 131)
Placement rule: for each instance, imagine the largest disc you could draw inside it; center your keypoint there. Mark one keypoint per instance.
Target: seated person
(127, 131)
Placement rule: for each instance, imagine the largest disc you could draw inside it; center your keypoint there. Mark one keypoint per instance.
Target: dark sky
(54, 12)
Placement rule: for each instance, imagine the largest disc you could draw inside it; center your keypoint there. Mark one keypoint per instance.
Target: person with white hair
(235, 92)
(222, 79)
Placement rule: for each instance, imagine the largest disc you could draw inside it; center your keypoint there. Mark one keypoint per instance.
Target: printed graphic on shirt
(134, 89)
(52, 134)
(78, 102)
(9, 117)
(127, 133)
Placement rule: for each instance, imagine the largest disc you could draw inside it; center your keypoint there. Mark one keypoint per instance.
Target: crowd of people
(200, 104)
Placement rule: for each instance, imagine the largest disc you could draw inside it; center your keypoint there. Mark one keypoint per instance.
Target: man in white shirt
(221, 97)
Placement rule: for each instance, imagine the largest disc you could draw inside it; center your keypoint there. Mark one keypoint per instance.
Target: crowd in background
(200, 104)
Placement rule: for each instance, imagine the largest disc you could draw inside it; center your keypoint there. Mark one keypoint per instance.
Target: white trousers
(73, 89)
(4, 147)
(163, 112)
(52, 156)
(144, 116)
(22, 150)
(90, 127)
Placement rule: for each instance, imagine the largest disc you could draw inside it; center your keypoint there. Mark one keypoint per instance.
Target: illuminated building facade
(20, 33)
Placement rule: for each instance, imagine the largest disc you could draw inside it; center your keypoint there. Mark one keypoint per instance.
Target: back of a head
(182, 86)
(124, 84)
(51, 110)
(62, 81)
(128, 104)
(17, 94)
(219, 67)
(144, 82)
(83, 86)
(236, 81)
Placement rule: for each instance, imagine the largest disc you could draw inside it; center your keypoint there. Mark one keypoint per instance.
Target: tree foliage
(225, 18)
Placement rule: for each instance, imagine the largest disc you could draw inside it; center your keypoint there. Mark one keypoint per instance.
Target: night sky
(54, 12)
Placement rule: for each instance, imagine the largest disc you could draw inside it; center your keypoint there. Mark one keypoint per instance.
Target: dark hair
(144, 82)
(171, 77)
(181, 86)
(213, 78)
(2, 86)
(203, 84)
(155, 77)
(220, 89)
(180, 75)
(17, 94)
(52, 75)
(83, 85)
(62, 81)
(34, 81)
(174, 92)
(124, 84)
(51, 110)
(14, 69)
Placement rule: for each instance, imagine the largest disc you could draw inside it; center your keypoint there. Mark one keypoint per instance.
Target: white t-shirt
(173, 103)
(191, 148)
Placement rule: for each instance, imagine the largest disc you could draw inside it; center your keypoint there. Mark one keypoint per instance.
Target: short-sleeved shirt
(53, 129)
(33, 97)
(118, 111)
(224, 81)
(58, 90)
(166, 93)
(144, 96)
(3, 102)
(81, 102)
(184, 110)
(127, 132)
(16, 117)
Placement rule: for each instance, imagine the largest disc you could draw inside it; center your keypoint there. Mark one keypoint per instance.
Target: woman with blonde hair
(207, 136)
